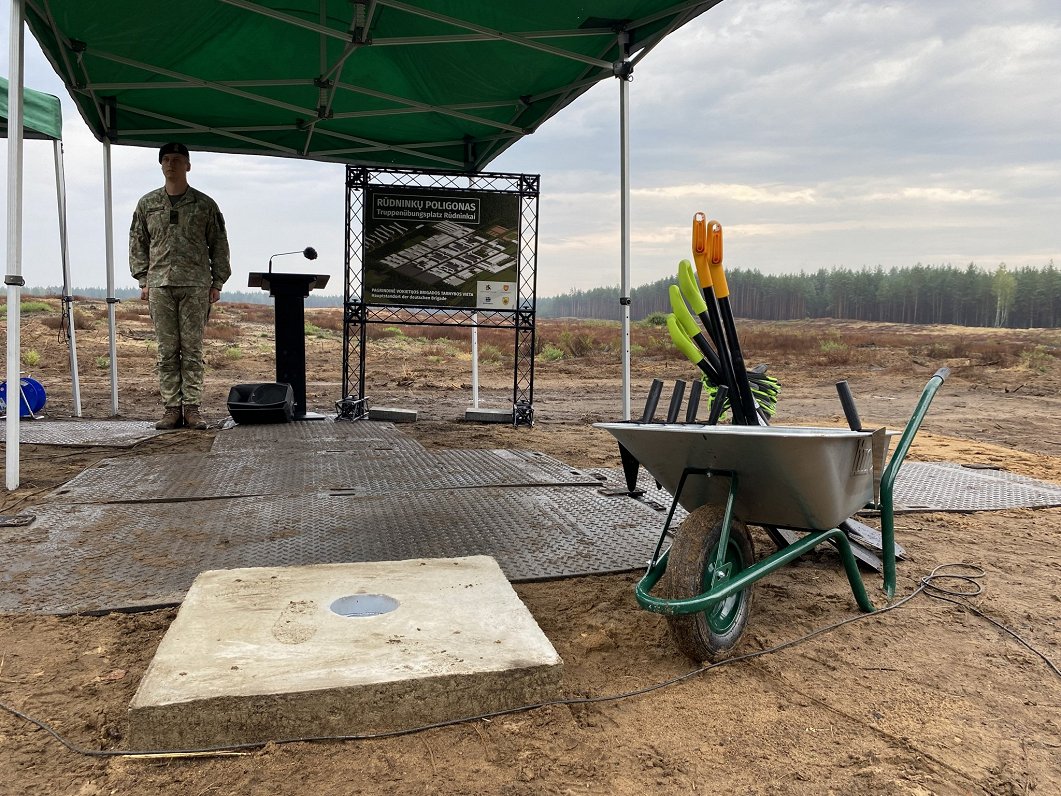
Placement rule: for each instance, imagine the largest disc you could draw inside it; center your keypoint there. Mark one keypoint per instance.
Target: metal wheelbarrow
(729, 477)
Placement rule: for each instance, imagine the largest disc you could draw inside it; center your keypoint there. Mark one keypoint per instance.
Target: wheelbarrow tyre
(712, 634)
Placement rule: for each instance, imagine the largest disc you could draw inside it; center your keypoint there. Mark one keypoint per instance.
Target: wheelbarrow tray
(788, 476)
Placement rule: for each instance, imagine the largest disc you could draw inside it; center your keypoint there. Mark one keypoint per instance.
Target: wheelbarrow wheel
(710, 634)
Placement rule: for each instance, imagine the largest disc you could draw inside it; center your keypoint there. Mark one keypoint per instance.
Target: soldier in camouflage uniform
(178, 253)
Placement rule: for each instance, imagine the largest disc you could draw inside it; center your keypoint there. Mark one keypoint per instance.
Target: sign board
(495, 295)
(428, 247)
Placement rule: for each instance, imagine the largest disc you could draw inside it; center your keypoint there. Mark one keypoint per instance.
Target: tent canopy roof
(42, 116)
(434, 84)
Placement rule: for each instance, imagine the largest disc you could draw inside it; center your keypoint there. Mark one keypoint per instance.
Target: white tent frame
(13, 278)
(623, 70)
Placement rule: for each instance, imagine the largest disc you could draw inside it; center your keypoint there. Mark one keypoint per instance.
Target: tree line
(1023, 298)
(133, 294)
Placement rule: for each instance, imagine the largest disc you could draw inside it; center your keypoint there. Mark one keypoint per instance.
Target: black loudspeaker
(269, 402)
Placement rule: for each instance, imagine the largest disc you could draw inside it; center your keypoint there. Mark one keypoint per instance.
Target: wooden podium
(289, 292)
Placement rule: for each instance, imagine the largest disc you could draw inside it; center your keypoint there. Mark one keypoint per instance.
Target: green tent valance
(42, 116)
(434, 84)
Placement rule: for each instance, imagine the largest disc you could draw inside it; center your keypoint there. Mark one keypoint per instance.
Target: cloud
(819, 132)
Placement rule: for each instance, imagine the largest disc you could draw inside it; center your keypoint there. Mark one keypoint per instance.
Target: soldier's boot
(171, 419)
(192, 418)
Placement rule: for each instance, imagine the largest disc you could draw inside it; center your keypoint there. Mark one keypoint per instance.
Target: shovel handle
(716, 405)
(847, 400)
(694, 401)
(714, 260)
(652, 401)
(701, 249)
(676, 401)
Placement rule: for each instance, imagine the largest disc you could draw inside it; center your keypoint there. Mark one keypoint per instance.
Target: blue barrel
(33, 396)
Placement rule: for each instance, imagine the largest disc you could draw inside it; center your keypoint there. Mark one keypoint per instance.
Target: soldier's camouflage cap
(173, 148)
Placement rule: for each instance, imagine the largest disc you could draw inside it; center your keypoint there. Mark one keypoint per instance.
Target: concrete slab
(488, 415)
(259, 654)
(392, 414)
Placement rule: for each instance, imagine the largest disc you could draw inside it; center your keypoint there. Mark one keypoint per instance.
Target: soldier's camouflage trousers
(179, 315)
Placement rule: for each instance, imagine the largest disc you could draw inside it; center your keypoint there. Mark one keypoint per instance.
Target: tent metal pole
(13, 277)
(108, 221)
(624, 234)
(68, 301)
(475, 360)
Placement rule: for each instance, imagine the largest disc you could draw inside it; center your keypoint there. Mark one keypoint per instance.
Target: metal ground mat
(941, 486)
(94, 558)
(919, 487)
(116, 433)
(315, 435)
(202, 476)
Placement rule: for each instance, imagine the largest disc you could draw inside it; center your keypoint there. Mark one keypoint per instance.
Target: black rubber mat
(199, 476)
(922, 487)
(111, 433)
(135, 531)
(316, 436)
(941, 486)
(99, 557)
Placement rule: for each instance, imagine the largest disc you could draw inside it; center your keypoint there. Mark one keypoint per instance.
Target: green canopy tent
(433, 84)
(443, 85)
(42, 119)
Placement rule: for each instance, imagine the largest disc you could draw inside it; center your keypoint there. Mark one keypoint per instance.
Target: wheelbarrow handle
(891, 472)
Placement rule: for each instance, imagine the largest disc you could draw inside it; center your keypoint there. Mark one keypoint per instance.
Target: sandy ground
(927, 699)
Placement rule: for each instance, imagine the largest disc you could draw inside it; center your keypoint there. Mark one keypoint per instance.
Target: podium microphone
(309, 253)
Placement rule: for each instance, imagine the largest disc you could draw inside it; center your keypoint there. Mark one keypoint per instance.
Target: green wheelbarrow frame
(725, 583)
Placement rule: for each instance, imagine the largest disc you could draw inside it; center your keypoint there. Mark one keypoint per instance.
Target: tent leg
(108, 218)
(68, 301)
(13, 277)
(624, 234)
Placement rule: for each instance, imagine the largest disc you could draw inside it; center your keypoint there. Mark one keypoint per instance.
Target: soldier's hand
(143, 293)
(215, 295)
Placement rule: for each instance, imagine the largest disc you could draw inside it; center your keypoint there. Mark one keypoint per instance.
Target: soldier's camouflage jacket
(182, 244)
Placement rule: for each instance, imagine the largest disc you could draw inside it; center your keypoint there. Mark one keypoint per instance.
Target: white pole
(13, 278)
(624, 233)
(64, 246)
(475, 360)
(108, 215)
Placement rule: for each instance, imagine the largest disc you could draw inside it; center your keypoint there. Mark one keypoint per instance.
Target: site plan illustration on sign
(432, 248)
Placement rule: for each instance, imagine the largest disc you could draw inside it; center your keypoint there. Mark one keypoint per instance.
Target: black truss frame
(357, 314)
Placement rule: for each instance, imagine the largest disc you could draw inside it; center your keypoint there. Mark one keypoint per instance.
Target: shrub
(575, 344)
(835, 351)
(550, 353)
(1038, 359)
(103, 362)
(30, 358)
(491, 353)
(655, 319)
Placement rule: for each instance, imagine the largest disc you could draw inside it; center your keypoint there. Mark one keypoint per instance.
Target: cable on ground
(964, 581)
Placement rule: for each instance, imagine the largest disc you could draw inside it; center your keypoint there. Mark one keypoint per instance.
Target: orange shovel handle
(714, 259)
(701, 250)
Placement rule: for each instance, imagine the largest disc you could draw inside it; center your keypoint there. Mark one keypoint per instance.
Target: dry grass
(222, 330)
(328, 319)
(133, 312)
(81, 320)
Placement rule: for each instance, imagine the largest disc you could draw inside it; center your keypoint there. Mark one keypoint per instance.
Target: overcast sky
(820, 134)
